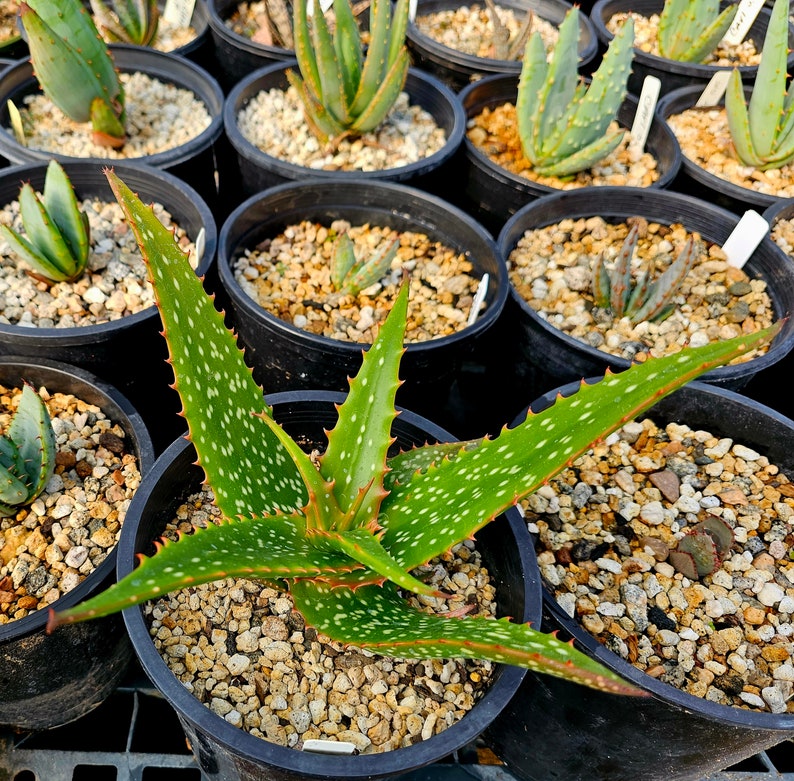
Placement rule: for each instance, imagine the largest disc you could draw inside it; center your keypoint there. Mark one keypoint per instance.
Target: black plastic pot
(235, 55)
(546, 357)
(49, 680)
(674, 74)
(285, 357)
(494, 194)
(193, 161)
(224, 752)
(457, 69)
(259, 170)
(129, 353)
(697, 181)
(554, 730)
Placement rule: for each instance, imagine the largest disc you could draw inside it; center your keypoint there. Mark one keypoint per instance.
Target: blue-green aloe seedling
(763, 132)
(57, 243)
(343, 92)
(127, 21)
(27, 453)
(563, 123)
(689, 30)
(74, 67)
(344, 536)
(350, 274)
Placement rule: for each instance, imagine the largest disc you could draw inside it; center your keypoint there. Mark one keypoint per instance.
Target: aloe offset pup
(343, 537)
(564, 123)
(74, 67)
(763, 132)
(345, 93)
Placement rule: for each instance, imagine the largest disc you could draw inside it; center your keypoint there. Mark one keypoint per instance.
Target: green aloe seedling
(763, 133)
(27, 453)
(643, 300)
(344, 93)
(701, 550)
(351, 275)
(57, 243)
(345, 535)
(127, 21)
(689, 30)
(563, 123)
(74, 67)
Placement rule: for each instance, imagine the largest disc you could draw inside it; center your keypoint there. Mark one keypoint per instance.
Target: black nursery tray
(135, 736)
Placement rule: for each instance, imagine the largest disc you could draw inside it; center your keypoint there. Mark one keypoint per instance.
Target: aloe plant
(343, 92)
(27, 453)
(763, 132)
(701, 550)
(564, 124)
(351, 275)
(127, 21)
(344, 536)
(645, 299)
(505, 48)
(74, 67)
(689, 31)
(57, 243)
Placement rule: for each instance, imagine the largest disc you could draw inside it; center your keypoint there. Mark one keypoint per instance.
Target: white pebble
(238, 664)
(770, 594)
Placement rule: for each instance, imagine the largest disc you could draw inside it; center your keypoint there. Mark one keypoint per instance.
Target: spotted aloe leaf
(689, 31)
(345, 534)
(74, 67)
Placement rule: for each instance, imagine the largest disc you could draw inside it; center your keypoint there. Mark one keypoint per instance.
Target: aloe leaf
(739, 121)
(343, 260)
(397, 30)
(31, 431)
(323, 125)
(403, 465)
(107, 125)
(369, 269)
(247, 466)
(379, 620)
(381, 102)
(584, 158)
(347, 45)
(705, 43)
(274, 547)
(61, 203)
(769, 89)
(426, 515)
(376, 61)
(621, 274)
(334, 98)
(358, 443)
(13, 493)
(304, 53)
(39, 264)
(601, 284)
(667, 33)
(533, 75)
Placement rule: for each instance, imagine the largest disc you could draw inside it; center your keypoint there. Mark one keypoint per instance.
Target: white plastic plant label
(201, 241)
(745, 237)
(479, 297)
(412, 10)
(714, 90)
(645, 111)
(745, 16)
(328, 746)
(179, 12)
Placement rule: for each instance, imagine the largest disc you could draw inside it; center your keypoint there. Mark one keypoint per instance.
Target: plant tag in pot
(179, 12)
(745, 16)
(645, 110)
(746, 236)
(329, 746)
(714, 90)
(479, 297)
(412, 10)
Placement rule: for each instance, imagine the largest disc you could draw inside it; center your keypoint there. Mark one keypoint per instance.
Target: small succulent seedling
(343, 92)
(564, 124)
(275, 25)
(57, 243)
(505, 48)
(644, 299)
(27, 453)
(689, 30)
(127, 21)
(351, 275)
(74, 67)
(763, 132)
(344, 535)
(702, 549)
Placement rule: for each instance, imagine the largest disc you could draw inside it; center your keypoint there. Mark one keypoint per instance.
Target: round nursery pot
(50, 679)
(457, 68)
(259, 170)
(671, 73)
(494, 193)
(237, 55)
(285, 357)
(128, 352)
(669, 735)
(192, 161)
(225, 752)
(546, 357)
(694, 179)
